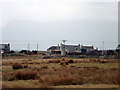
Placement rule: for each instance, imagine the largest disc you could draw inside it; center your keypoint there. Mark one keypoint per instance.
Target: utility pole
(28, 47)
(103, 48)
(37, 47)
(37, 51)
(103, 45)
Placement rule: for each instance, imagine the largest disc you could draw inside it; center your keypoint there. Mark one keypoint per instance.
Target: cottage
(87, 48)
(118, 47)
(4, 48)
(65, 49)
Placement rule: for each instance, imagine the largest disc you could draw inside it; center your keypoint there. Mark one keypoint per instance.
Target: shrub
(71, 61)
(44, 67)
(57, 80)
(72, 66)
(62, 80)
(25, 75)
(25, 66)
(62, 63)
(66, 63)
(54, 61)
(63, 59)
(36, 68)
(7, 76)
(30, 62)
(17, 66)
(95, 68)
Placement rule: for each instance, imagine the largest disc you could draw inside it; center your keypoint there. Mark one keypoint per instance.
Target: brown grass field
(32, 72)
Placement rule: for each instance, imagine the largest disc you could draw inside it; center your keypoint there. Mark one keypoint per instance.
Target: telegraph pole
(28, 47)
(37, 51)
(37, 47)
(103, 48)
(103, 45)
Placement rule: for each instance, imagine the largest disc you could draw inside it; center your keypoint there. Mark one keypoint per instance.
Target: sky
(48, 22)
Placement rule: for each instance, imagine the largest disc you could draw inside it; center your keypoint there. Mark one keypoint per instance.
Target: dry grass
(7, 76)
(75, 76)
(17, 66)
(56, 80)
(59, 72)
(44, 67)
(25, 66)
(25, 75)
(88, 86)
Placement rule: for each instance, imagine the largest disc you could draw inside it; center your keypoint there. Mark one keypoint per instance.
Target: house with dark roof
(4, 48)
(54, 50)
(118, 47)
(87, 48)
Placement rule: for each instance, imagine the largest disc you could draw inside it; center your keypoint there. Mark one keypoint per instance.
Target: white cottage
(69, 48)
(66, 49)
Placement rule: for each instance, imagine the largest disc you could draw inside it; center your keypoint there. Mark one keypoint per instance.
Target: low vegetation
(25, 75)
(17, 66)
(58, 72)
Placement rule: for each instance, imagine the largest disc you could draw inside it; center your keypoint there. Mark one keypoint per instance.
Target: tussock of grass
(25, 75)
(17, 66)
(25, 66)
(56, 80)
(44, 67)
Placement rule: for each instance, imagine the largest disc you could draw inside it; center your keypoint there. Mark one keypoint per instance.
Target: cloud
(48, 33)
(50, 11)
(59, 19)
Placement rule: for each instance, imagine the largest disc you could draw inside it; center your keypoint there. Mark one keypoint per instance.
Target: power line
(19, 41)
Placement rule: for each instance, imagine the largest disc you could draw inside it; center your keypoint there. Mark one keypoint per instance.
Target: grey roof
(53, 48)
(5, 44)
(118, 47)
(71, 47)
(88, 47)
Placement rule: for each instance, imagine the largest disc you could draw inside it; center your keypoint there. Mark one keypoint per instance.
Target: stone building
(4, 48)
(118, 47)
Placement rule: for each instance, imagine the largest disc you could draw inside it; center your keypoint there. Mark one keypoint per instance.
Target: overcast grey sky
(47, 22)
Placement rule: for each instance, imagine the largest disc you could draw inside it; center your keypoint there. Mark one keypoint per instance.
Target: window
(66, 49)
(76, 48)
